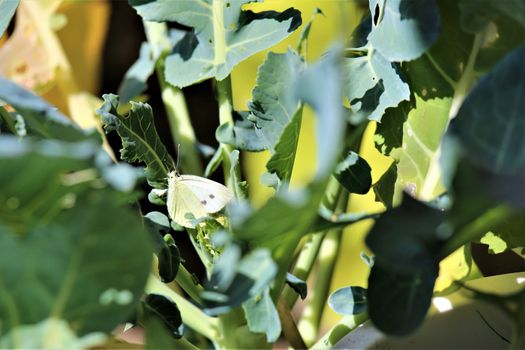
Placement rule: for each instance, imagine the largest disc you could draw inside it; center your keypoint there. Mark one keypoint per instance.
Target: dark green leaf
(328, 221)
(243, 135)
(385, 187)
(169, 260)
(162, 308)
(262, 316)
(348, 300)
(476, 14)
(407, 238)
(7, 11)
(297, 284)
(274, 103)
(136, 78)
(78, 267)
(140, 141)
(489, 123)
(354, 174)
(402, 30)
(41, 118)
(282, 161)
(214, 162)
(157, 336)
(223, 35)
(398, 301)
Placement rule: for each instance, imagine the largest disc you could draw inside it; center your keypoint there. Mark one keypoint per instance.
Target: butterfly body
(195, 195)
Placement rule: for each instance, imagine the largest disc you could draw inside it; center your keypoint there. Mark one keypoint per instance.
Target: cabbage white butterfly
(196, 195)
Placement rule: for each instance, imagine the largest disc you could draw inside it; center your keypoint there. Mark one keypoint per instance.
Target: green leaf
(140, 141)
(157, 225)
(407, 238)
(136, 78)
(510, 232)
(274, 103)
(240, 186)
(476, 14)
(234, 279)
(402, 30)
(223, 35)
(160, 307)
(354, 174)
(489, 123)
(372, 85)
(321, 87)
(242, 135)
(385, 187)
(262, 316)
(348, 300)
(418, 157)
(157, 336)
(7, 11)
(169, 260)
(398, 301)
(297, 284)
(282, 161)
(41, 118)
(305, 32)
(74, 268)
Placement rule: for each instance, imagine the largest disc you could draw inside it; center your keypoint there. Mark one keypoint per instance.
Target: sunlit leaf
(262, 316)
(7, 11)
(348, 300)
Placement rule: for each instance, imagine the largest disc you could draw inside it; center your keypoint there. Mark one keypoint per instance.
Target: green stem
(174, 102)
(289, 327)
(225, 100)
(184, 344)
(339, 330)
(336, 199)
(192, 316)
(303, 266)
(235, 334)
(185, 280)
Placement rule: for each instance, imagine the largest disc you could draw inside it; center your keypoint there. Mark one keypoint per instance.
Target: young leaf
(403, 29)
(169, 260)
(140, 141)
(7, 11)
(354, 174)
(41, 118)
(348, 300)
(282, 161)
(162, 308)
(262, 316)
(223, 35)
(489, 123)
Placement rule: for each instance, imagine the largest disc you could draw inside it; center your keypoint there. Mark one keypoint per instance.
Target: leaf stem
(289, 327)
(174, 102)
(225, 99)
(440, 70)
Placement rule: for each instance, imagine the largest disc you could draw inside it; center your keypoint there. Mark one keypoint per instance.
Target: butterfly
(195, 195)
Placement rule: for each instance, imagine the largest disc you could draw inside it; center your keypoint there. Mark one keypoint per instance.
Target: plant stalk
(339, 330)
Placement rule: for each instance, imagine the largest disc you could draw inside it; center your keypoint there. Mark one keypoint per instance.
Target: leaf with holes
(223, 35)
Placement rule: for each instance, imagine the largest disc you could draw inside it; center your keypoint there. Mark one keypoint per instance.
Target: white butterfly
(196, 195)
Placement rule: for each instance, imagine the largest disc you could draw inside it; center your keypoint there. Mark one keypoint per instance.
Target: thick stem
(289, 327)
(336, 199)
(174, 102)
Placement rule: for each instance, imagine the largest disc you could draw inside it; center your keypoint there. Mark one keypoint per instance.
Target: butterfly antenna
(178, 159)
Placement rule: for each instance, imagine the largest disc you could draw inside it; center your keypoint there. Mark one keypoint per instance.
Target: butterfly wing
(212, 195)
(196, 195)
(181, 201)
